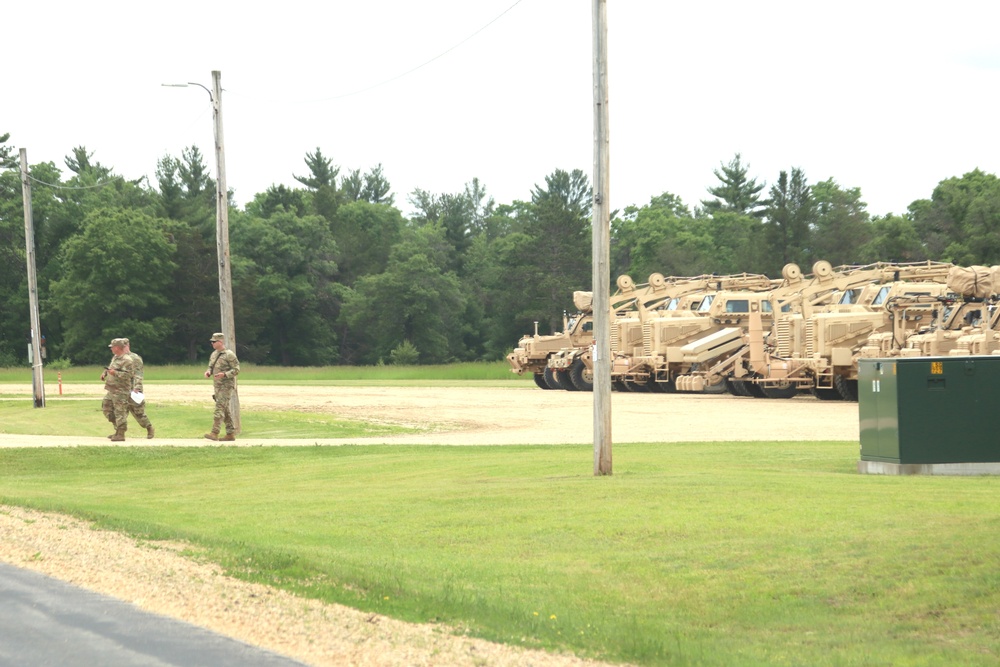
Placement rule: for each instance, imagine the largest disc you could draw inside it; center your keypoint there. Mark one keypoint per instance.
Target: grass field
(179, 420)
(691, 554)
(495, 373)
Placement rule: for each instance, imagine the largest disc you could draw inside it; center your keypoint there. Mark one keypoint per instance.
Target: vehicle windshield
(850, 296)
(706, 303)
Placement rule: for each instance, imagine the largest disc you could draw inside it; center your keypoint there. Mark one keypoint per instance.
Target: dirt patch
(505, 416)
(156, 577)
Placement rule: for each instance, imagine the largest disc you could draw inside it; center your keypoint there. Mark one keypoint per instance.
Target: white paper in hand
(138, 396)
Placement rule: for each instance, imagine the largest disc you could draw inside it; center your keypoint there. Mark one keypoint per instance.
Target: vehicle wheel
(826, 394)
(562, 377)
(737, 387)
(654, 386)
(717, 388)
(581, 377)
(755, 390)
(552, 379)
(540, 381)
(784, 390)
(637, 387)
(667, 386)
(618, 385)
(848, 389)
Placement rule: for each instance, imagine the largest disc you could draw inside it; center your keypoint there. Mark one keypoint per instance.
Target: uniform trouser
(223, 415)
(138, 410)
(115, 408)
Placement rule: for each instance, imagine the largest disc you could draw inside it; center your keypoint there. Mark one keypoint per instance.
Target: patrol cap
(116, 342)
(124, 341)
(217, 336)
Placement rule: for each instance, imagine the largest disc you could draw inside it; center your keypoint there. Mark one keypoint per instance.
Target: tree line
(331, 271)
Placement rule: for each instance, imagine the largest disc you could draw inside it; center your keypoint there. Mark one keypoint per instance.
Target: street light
(221, 224)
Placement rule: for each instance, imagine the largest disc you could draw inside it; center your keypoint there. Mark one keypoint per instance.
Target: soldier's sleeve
(234, 364)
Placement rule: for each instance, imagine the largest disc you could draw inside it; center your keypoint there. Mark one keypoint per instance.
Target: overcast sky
(891, 97)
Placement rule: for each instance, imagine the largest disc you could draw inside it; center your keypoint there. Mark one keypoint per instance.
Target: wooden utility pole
(38, 386)
(222, 235)
(601, 247)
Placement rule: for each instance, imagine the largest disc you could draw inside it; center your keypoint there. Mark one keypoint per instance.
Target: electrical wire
(420, 66)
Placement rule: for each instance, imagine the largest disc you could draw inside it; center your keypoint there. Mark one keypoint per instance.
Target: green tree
(961, 221)
(373, 187)
(842, 224)
(287, 288)
(462, 215)
(416, 299)
(789, 214)
(736, 193)
(322, 172)
(7, 159)
(894, 238)
(365, 234)
(116, 278)
(641, 237)
(558, 221)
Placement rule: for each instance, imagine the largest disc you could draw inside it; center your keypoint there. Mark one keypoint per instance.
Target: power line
(421, 65)
(76, 187)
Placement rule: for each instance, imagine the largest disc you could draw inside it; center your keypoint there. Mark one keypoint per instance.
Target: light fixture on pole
(221, 224)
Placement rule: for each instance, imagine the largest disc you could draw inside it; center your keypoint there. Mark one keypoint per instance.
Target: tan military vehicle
(962, 322)
(701, 312)
(816, 336)
(532, 352)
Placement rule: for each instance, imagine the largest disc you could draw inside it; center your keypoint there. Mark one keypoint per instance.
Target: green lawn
(494, 373)
(690, 554)
(73, 417)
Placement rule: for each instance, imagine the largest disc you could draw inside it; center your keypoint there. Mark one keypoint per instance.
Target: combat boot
(119, 436)
(212, 435)
(149, 432)
(228, 437)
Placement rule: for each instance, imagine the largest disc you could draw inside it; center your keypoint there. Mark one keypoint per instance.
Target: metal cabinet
(930, 410)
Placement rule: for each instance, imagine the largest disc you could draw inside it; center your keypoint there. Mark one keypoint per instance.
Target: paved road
(44, 622)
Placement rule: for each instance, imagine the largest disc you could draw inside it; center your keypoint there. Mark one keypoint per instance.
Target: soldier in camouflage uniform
(137, 410)
(118, 383)
(223, 367)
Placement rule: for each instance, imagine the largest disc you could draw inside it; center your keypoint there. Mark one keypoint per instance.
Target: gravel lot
(156, 577)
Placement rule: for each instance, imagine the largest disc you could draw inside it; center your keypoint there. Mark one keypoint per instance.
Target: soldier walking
(223, 367)
(137, 408)
(118, 383)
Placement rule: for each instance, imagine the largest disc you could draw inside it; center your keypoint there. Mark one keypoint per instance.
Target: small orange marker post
(59, 376)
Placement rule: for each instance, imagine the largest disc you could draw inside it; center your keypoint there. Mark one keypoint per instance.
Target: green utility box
(929, 415)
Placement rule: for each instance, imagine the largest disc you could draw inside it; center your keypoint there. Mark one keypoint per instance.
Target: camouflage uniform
(137, 410)
(222, 361)
(118, 383)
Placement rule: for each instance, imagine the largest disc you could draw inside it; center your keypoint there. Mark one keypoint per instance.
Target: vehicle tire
(540, 381)
(848, 389)
(755, 390)
(562, 377)
(636, 387)
(552, 379)
(654, 386)
(737, 387)
(717, 388)
(786, 390)
(667, 386)
(826, 394)
(618, 385)
(581, 378)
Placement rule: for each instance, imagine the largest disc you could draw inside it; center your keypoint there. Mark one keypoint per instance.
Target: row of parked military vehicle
(756, 336)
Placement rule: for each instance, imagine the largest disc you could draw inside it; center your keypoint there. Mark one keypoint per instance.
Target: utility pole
(38, 386)
(222, 235)
(601, 247)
